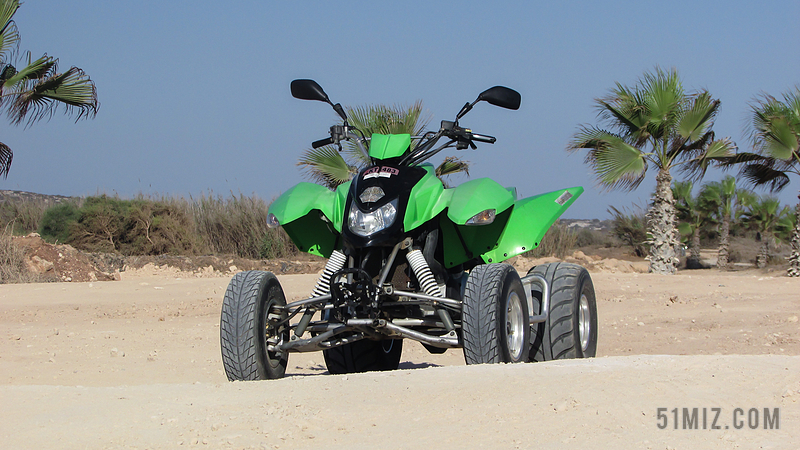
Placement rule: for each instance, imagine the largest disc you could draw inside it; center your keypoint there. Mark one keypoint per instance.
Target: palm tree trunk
(763, 252)
(724, 244)
(794, 258)
(694, 258)
(661, 220)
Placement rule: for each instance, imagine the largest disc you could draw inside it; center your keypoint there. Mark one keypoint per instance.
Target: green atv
(410, 259)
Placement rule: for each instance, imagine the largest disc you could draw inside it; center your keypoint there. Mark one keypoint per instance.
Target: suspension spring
(335, 263)
(423, 273)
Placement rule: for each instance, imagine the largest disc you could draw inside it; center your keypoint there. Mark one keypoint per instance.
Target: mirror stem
(467, 107)
(339, 110)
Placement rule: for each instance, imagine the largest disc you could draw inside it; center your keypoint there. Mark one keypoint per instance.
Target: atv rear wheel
(364, 356)
(246, 326)
(495, 320)
(570, 330)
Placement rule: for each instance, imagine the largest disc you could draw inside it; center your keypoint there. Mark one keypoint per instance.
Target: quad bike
(411, 259)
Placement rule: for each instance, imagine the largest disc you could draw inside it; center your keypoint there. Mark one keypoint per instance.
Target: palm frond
(384, 119)
(451, 166)
(326, 166)
(757, 174)
(664, 100)
(762, 214)
(619, 165)
(775, 128)
(6, 155)
(73, 89)
(9, 35)
(715, 152)
(616, 163)
(33, 70)
(698, 117)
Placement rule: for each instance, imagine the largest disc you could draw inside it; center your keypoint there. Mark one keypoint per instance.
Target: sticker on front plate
(383, 172)
(563, 198)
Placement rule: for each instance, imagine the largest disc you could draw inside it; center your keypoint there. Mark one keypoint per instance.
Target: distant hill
(22, 196)
(590, 224)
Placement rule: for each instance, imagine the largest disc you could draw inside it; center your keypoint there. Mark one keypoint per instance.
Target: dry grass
(559, 241)
(12, 262)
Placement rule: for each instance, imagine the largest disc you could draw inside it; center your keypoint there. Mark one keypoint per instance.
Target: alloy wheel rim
(515, 326)
(584, 322)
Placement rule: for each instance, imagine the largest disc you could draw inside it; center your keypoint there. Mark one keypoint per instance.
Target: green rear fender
(514, 231)
(300, 210)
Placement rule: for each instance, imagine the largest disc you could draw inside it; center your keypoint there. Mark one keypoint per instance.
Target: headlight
(272, 221)
(365, 224)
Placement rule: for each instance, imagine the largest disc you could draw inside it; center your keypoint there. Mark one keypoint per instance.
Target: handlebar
(483, 138)
(322, 143)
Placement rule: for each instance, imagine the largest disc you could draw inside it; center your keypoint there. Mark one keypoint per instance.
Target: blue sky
(195, 94)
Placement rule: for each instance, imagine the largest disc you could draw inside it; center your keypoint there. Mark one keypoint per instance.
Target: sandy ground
(136, 364)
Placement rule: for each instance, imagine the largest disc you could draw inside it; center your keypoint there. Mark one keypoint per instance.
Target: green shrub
(56, 222)
(149, 226)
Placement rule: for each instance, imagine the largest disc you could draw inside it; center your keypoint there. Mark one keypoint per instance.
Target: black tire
(244, 327)
(364, 356)
(572, 303)
(495, 325)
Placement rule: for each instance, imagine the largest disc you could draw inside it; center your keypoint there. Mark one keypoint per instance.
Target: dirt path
(136, 364)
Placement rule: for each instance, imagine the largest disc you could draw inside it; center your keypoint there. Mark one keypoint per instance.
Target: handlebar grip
(482, 138)
(322, 143)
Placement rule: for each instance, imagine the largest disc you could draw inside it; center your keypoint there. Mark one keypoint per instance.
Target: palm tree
(692, 216)
(763, 215)
(327, 166)
(655, 123)
(37, 89)
(775, 132)
(724, 202)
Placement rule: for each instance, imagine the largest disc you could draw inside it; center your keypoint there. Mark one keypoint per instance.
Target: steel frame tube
(527, 281)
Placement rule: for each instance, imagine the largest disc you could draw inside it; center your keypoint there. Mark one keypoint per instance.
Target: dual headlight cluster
(366, 224)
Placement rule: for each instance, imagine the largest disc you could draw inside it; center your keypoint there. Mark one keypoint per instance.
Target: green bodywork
(313, 215)
(385, 146)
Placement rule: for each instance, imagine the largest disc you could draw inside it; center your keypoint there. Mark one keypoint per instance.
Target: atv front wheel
(247, 325)
(570, 330)
(364, 356)
(495, 321)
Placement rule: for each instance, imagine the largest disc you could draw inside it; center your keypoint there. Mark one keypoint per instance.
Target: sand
(136, 364)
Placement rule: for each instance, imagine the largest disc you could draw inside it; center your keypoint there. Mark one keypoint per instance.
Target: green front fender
(513, 232)
(475, 196)
(312, 216)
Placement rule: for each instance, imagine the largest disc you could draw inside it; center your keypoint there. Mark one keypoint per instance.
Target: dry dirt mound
(59, 262)
(593, 263)
(65, 263)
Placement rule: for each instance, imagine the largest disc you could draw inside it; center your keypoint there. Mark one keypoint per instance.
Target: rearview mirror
(308, 90)
(501, 96)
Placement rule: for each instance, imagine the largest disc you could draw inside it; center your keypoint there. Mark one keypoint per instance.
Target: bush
(592, 238)
(56, 222)
(147, 226)
(631, 229)
(131, 227)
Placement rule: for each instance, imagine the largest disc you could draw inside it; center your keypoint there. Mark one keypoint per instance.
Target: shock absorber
(335, 263)
(420, 267)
